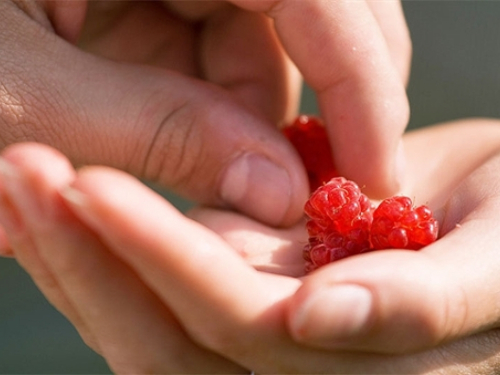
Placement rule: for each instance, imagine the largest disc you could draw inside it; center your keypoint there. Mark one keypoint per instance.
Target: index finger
(341, 51)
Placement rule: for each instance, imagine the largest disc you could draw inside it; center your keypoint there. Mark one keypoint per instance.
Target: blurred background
(455, 74)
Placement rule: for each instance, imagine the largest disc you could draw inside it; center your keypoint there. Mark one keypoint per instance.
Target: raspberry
(308, 135)
(342, 222)
(339, 223)
(397, 224)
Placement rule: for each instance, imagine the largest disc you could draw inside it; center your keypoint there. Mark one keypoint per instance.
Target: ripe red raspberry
(342, 222)
(398, 225)
(339, 223)
(309, 137)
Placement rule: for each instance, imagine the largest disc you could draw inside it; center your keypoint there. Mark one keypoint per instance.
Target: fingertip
(384, 302)
(394, 174)
(264, 189)
(380, 173)
(36, 157)
(366, 121)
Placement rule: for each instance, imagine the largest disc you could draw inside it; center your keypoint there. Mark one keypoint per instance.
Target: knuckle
(176, 148)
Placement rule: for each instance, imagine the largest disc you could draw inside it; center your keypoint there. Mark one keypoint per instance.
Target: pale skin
(189, 94)
(144, 285)
(120, 104)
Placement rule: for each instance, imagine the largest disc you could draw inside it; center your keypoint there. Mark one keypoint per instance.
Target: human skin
(142, 283)
(190, 94)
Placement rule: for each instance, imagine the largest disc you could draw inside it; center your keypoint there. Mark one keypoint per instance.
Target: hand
(189, 94)
(110, 254)
(421, 300)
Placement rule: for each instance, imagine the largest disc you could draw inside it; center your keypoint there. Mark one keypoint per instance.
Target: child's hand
(416, 300)
(140, 281)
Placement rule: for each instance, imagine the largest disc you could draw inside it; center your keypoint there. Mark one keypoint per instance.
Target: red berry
(342, 222)
(339, 223)
(398, 225)
(309, 137)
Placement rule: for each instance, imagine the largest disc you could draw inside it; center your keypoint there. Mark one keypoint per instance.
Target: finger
(386, 304)
(453, 150)
(221, 302)
(65, 17)
(241, 52)
(340, 49)
(182, 133)
(132, 328)
(403, 301)
(391, 20)
(24, 250)
(142, 32)
(224, 304)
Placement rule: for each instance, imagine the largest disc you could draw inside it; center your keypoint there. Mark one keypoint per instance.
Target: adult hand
(140, 280)
(189, 94)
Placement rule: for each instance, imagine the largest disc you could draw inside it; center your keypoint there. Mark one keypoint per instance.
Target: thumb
(187, 135)
(401, 301)
(389, 302)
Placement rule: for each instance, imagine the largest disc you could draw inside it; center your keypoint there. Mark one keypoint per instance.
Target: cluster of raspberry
(342, 221)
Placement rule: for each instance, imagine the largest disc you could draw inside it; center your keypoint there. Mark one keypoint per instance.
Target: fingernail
(73, 196)
(258, 187)
(78, 202)
(333, 316)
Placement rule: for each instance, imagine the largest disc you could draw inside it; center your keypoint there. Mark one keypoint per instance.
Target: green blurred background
(455, 74)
